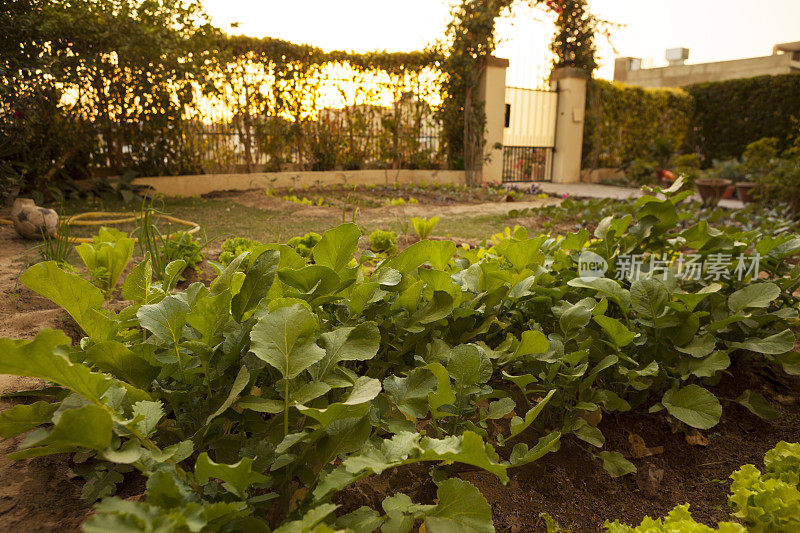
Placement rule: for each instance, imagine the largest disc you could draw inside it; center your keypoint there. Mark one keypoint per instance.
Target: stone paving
(594, 190)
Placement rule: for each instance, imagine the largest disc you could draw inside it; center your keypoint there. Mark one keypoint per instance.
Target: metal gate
(530, 134)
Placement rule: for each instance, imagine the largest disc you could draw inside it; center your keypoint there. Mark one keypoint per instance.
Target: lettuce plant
(424, 226)
(106, 257)
(181, 245)
(382, 241)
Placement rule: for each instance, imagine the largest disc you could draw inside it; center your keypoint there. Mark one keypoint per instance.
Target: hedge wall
(624, 122)
(716, 120)
(729, 115)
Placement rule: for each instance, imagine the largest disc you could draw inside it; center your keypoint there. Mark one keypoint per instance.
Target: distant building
(785, 59)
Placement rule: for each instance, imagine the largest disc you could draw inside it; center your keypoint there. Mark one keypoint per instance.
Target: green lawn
(220, 219)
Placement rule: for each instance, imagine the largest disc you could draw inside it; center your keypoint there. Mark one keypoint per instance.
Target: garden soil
(38, 495)
(427, 207)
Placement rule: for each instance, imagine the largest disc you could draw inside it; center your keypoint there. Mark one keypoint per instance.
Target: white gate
(529, 137)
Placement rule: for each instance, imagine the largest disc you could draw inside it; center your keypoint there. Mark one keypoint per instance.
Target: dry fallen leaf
(297, 497)
(785, 400)
(695, 438)
(639, 449)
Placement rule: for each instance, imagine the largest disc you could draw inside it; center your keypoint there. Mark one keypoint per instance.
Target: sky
(713, 30)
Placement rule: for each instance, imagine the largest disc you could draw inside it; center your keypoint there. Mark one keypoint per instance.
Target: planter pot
(31, 221)
(745, 189)
(711, 190)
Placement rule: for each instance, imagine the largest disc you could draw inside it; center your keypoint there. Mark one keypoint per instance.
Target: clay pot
(745, 191)
(31, 221)
(711, 190)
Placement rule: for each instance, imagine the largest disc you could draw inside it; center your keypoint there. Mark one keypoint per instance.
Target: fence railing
(356, 138)
(379, 126)
(527, 163)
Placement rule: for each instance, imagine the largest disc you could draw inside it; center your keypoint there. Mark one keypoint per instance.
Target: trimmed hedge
(729, 115)
(716, 120)
(623, 122)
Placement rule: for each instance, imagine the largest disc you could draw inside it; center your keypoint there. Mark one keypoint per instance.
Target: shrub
(729, 115)
(778, 178)
(622, 123)
(688, 166)
(642, 172)
(759, 154)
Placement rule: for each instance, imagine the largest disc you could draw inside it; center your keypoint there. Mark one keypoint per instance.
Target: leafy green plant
(106, 257)
(642, 172)
(181, 245)
(383, 241)
(777, 177)
(688, 166)
(234, 247)
(424, 226)
(249, 403)
(57, 247)
(151, 241)
(679, 519)
(769, 501)
(305, 244)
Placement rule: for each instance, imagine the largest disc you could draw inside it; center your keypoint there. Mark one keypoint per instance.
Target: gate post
(493, 93)
(571, 86)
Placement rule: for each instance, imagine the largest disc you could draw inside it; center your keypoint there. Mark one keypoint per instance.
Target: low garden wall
(206, 183)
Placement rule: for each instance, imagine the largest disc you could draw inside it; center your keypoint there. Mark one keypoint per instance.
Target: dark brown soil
(574, 489)
(381, 195)
(36, 494)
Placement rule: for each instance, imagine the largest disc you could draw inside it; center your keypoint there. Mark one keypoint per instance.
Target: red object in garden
(666, 177)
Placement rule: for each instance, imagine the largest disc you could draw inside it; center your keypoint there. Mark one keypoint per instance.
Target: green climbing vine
(471, 35)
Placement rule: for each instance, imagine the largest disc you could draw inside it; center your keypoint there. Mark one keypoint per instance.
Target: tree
(573, 43)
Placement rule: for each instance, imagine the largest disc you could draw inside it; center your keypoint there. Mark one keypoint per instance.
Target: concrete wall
(206, 183)
(571, 85)
(683, 75)
(493, 94)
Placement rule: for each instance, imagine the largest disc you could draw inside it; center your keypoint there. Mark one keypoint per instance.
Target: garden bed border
(200, 184)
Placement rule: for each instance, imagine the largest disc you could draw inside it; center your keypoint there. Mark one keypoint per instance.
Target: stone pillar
(571, 85)
(492, 91)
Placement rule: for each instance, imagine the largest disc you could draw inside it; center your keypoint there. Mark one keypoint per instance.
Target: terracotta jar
(711, 190)
(745, 191)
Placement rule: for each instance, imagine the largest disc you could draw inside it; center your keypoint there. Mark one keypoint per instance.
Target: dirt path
(385, 214)
(35, 494)
(258, 199)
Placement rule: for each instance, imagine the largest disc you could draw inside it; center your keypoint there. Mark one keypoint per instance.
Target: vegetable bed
(321, 391)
